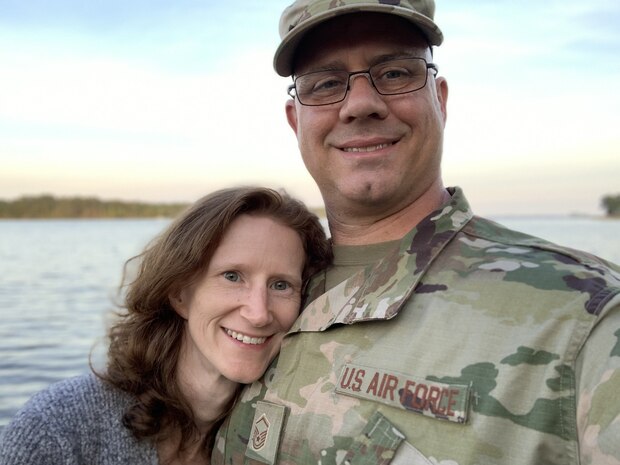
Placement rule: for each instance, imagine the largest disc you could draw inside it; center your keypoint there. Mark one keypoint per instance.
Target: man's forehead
(377, 34)
(365, 22)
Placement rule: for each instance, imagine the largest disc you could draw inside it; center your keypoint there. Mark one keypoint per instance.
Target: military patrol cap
(303, 15)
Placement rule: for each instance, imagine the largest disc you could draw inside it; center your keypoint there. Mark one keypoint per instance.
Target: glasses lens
(322, 87)
(399, 76)
(389, 78)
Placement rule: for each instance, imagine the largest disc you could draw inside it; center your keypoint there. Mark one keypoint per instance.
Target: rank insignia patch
(266, 430)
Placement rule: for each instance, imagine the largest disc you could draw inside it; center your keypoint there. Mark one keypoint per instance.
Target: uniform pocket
(377, 443)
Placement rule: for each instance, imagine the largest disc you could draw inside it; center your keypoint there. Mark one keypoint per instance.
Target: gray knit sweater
(76, 421)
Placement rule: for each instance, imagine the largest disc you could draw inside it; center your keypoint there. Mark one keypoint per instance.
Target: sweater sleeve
(33, 437)
(77, 421)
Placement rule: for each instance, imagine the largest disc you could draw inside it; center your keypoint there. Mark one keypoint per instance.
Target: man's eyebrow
(413, 53)
(331, 66)
(340, 66)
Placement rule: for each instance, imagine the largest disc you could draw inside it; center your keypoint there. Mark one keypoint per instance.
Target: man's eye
(280, 285)
(328, 85)
(231, 276)
(395, 74)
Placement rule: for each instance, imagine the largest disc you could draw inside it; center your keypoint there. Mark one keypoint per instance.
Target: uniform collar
(379, 291)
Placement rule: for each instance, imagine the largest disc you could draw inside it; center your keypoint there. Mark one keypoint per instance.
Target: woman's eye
(280, 285)
(231, 276)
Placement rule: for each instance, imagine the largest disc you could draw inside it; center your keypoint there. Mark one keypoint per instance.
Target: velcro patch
(266, 430)
(430, 398)
(377, 444)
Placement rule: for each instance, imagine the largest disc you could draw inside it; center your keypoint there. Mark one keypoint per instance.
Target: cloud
(94, 117)
(165, 102)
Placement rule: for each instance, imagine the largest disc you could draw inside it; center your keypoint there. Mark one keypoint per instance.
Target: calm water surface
(58, 280)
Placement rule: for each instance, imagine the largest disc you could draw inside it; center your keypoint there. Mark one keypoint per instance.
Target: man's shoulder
(494, 252)
(490, 236)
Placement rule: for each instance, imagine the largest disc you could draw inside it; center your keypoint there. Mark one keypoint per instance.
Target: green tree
(611, 203)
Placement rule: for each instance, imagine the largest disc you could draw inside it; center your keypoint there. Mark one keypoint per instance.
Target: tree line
(611, 204)
(47, 206)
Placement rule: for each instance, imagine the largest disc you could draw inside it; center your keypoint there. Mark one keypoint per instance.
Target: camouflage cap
(303, 15)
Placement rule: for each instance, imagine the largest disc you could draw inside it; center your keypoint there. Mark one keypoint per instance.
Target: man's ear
(442, 96)
(179, 301)
(291, 114)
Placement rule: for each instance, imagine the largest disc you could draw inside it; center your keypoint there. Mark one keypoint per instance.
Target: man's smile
(367, 148)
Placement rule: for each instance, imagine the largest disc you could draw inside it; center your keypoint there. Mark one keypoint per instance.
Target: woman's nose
(255, 307)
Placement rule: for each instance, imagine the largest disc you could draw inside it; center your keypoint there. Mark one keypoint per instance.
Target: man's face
(370, 154)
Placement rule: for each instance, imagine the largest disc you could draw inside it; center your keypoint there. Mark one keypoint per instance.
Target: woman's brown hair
(145, 341)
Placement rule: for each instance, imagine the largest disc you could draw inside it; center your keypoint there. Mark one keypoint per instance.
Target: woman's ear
(178, 300)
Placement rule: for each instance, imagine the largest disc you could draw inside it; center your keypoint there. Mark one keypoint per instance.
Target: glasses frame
(292, 88)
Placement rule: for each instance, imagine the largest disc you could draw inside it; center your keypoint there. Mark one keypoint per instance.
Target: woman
(212, 299)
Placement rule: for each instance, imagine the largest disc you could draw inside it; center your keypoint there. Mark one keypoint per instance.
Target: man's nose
(255, 307)
(362, 99)
(354, 76)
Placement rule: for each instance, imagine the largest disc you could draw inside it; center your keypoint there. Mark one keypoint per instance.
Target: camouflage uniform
(472, 344)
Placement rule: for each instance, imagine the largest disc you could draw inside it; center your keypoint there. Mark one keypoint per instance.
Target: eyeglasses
(388, 78)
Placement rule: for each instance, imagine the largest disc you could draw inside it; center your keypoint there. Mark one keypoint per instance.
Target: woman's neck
(193, 453)
(209, 395)
(205, 389)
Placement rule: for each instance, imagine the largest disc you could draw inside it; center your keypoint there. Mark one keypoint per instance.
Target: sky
(166, 101)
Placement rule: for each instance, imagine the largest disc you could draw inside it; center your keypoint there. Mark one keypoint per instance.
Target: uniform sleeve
(598, 390)
(32, 437)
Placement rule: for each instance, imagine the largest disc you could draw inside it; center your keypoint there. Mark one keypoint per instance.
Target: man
(438, 337)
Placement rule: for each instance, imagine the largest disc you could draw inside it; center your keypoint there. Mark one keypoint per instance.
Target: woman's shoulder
(75, 399)
(62, 406)
(77, 412)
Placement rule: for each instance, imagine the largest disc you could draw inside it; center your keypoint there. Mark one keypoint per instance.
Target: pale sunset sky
(165, 101)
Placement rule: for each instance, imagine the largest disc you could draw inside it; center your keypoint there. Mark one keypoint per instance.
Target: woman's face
(240, 307)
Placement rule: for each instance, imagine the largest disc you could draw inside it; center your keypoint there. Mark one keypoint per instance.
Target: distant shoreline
(50, 207)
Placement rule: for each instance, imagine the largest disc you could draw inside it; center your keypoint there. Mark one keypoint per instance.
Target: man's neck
(356, 230)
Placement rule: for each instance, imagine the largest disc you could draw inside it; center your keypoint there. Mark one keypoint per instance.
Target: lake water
(58, 279)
